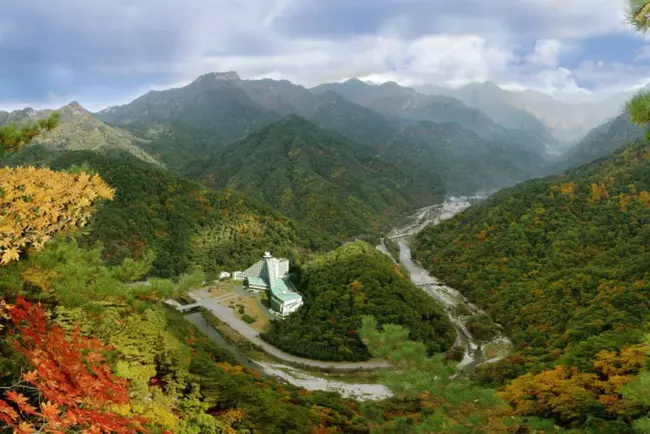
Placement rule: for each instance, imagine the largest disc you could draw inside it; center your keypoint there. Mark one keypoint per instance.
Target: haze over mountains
(566, 121)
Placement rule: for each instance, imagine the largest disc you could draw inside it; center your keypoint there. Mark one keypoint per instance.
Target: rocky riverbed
(452, 301)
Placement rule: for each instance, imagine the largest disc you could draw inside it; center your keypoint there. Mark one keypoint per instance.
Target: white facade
(289, 307)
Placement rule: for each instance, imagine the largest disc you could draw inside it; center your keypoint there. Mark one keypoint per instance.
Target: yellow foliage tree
(36, 203)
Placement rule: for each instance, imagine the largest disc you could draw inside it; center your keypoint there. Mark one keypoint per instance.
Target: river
(452, 300)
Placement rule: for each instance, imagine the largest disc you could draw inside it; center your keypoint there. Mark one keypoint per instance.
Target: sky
(107, 52)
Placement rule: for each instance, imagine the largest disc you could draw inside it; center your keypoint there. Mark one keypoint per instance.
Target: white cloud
(545, 54)
(411, 42)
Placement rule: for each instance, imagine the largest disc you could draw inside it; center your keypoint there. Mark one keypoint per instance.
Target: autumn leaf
(16, 397)
(25, 428)
(75, 385)
(7, 413)
(38, 203)
(30, 376)
(8, 255)
(50, 410)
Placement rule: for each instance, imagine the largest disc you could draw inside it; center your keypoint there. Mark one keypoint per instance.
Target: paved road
(225, 314)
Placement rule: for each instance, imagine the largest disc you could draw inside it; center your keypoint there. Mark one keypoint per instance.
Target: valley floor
(450, 299)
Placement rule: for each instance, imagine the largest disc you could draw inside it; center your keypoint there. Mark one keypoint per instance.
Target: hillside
(602, 141)
(80, 130)
(342, 286)
(561, 262)
(183, 223)
(317, 177)
(178, 379)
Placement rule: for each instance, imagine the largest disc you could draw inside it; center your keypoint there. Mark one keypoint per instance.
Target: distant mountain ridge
(465, 162)
(566, 122)
(80, 130)
(394, 100)
(219, 108)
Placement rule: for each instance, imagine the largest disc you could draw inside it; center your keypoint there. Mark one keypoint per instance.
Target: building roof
(257, 281)
(281, 290)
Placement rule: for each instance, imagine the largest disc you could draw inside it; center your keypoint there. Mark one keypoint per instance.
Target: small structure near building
(224, 275)
(238, 275)
(271, 275)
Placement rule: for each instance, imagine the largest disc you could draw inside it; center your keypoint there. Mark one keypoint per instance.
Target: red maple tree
(71, 385)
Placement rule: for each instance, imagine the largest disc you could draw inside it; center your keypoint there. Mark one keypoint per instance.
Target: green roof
(280, 290)
(257, 281)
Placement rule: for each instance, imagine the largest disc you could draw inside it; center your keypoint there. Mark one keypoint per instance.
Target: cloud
(545, 54)
(105, 51)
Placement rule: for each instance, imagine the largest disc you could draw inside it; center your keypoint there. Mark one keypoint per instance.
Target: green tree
(638, 107)
(14, 137)
(638, 390)
(449, 402)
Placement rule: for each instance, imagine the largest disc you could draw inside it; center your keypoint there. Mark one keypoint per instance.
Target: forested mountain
(184, 224)
(184, 123)
(402, 102)
(563, 264)
(317, 177)
(602, 141)
(342, 286)
(79, 130)
(465, 162)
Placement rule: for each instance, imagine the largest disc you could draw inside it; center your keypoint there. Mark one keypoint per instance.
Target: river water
(452, 301)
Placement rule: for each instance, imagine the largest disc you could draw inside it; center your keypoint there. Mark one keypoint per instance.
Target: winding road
(225, 314)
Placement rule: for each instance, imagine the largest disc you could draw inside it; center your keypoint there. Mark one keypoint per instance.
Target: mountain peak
(75, 106)
(294, 120)
(220, 76)
(73, 109)
(354, 80)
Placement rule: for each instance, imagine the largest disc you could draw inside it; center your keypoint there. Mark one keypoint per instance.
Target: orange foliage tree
(565, 393)
(71, 385)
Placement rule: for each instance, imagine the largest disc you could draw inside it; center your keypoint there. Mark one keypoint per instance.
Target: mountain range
(347, 156)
